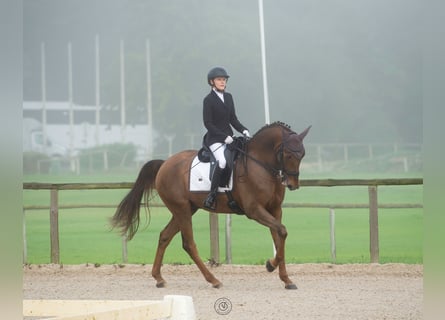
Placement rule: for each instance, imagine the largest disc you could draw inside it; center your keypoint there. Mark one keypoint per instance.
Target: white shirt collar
(219, 94)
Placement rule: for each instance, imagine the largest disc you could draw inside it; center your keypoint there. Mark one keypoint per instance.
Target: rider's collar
(220, 94)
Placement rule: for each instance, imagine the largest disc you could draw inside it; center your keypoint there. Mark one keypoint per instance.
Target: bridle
(281, 171)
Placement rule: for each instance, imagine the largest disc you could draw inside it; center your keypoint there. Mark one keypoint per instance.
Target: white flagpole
(263, 63)
(149, 103)
(43, 75)
(97, 61)
(123, 113)
(70, 97)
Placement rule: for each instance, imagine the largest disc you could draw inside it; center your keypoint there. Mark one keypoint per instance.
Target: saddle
(231, 153)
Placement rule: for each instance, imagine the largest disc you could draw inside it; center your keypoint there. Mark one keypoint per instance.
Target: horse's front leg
(279, 260)
(279, 234)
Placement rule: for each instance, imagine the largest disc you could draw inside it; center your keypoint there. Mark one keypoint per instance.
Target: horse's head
(285, 151)
(289, 155)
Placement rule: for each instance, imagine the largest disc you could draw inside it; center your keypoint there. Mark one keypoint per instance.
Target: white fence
(325, 157)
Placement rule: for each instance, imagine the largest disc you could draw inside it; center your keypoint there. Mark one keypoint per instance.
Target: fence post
(373, 224)
(124, 249)
(54, 226)
(90, 163)
(25, 246)
(319, 159)
(105, 156)
(228, 238)
(77, 165)
(214, 237)
(332, 228)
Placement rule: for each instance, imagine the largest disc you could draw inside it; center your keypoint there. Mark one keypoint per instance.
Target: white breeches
(218, 151)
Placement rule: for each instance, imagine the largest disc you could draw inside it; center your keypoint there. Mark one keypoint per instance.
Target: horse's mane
(273, 124)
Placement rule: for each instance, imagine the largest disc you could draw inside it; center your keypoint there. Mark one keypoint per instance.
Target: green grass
(85, 235)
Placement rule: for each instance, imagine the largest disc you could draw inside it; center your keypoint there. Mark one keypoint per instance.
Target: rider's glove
(228, 140)
(246, 133)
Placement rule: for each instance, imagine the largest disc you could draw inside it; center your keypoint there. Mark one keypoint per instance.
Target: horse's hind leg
(189, 245)
(165, 237)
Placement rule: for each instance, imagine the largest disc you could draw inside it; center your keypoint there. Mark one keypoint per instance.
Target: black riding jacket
(219, 117)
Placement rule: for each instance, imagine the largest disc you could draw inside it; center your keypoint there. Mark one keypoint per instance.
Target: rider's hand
(228, 140)
(246, 133)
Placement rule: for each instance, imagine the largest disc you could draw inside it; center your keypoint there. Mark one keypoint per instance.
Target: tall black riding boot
(210, 202)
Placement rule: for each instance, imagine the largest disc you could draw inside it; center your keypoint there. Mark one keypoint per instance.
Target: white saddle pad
(199, 177)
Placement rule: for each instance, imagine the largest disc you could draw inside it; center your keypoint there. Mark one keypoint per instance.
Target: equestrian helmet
(216, 72)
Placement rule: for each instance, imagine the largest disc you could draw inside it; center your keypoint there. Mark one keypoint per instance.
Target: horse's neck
(265, 144)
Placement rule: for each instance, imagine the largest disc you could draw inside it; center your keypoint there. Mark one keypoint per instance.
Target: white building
(74, 126)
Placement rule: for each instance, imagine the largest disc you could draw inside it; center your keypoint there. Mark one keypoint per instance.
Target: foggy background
(349, 68)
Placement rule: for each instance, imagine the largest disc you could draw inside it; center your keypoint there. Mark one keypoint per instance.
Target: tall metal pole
(97, 57)
(43, 79)
(122, 63)
(263, 63)
(70, 98)
(149, 104)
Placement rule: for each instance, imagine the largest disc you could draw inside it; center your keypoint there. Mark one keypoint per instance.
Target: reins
(272, 170)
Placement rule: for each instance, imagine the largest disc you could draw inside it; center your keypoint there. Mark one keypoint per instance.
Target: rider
(219, 114)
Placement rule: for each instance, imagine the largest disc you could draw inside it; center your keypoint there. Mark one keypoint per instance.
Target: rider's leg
(210, 201)
(218, 151)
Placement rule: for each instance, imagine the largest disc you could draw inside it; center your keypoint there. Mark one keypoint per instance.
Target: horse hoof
(160, 284)
(217, 285)
(269, 266)
(290, 286)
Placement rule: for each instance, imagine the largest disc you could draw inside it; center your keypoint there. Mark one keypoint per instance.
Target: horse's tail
(127, 213)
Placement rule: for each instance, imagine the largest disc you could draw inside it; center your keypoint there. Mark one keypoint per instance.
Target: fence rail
(373, 206)
(303, 183)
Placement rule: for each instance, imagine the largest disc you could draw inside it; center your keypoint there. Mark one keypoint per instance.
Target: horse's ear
(304, 133)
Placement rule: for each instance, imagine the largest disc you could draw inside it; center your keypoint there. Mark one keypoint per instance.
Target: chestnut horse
(268, 164)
